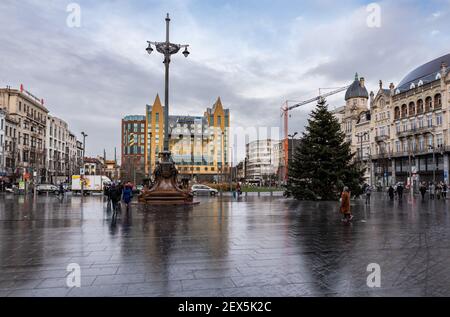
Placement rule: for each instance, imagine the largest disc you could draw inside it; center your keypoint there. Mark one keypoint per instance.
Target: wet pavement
(258, 246)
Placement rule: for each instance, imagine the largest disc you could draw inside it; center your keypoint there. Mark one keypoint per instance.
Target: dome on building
(423, 74)
(357, 89)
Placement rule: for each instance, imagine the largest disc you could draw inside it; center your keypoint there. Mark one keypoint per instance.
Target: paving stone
(258, 246)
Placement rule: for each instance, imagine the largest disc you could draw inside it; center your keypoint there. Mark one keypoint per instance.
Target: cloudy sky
(254, 54)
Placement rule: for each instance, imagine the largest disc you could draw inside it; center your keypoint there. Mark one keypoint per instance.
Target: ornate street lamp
(167, 49)
(165, 189)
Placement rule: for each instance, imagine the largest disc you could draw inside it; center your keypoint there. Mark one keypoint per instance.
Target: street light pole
(167, 49)
(291, 137)
(82, 163)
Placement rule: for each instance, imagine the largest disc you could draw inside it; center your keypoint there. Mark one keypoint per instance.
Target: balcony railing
(381, 138)
(415, 131)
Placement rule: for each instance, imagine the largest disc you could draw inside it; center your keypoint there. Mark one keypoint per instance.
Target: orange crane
(285, 113)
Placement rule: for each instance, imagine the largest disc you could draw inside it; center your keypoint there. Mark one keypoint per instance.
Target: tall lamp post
(291, 145)
(167, 49)
(166, 189)
(82, 163)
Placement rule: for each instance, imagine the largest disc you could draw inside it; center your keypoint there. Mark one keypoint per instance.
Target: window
(439, 140)
(439, 119)
(430, 121)
(397, 146)
(421, 143)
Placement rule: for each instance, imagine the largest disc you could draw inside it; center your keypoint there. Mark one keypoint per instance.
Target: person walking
(438, 191)
(444, 190)
(345, 205)
(400, 191)
(116, 195)
(391, 192)
(61, 190)
(423, 190)
(368, 194)
(127, 195)
(432, 190)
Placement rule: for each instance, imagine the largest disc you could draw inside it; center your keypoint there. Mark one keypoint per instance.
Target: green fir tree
(323, 163)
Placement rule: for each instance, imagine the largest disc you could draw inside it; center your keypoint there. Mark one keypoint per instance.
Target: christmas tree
(323, 163)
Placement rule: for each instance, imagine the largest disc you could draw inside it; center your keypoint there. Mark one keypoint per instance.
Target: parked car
(204, 190)
(47, 188)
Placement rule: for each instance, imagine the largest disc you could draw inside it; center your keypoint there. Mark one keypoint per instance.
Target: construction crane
(285, 113)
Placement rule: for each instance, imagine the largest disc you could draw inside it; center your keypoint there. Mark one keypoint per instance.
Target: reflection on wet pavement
(258, 246)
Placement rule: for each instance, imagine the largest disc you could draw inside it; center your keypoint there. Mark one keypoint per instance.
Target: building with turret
(402, 132)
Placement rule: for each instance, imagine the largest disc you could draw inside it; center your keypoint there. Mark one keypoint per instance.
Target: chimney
(443, 69)
(361, 82)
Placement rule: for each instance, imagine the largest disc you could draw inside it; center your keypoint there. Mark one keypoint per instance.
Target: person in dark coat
(400, 191)
(423, 191)
(391, 192)
(116, 195)
(61, 189)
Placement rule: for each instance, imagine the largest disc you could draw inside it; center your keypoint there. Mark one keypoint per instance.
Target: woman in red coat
(345, 205)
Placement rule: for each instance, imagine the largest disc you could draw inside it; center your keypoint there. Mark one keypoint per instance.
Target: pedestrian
(423, 190)
(444, 190)
(61, 190)
(127, 195)
(116, 195)
(400, 191)
(391, 192)
(345, 205)
(368, 193)
(432, 190)
(238, 189)
(438, 191)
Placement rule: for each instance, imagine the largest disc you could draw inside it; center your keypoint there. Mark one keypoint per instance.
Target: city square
(255, 246)
(215, 150)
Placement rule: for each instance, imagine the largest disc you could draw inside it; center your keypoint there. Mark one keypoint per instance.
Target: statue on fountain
(166, 190)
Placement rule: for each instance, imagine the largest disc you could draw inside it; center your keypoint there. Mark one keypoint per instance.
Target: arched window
(420, 106)
(397, 113)
(412, 109)
(428, 104)
(420, 83)
(438, 76)
(397, 91)
(437, 101)
(404, 111)
(412, 86)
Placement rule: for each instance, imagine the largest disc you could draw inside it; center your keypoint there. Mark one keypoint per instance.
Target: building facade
(261, 162)
(199, 144)
(57, 158)
(31, 116)
(2, 143)
(133, 149)
(93, 166)
(403, 135)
